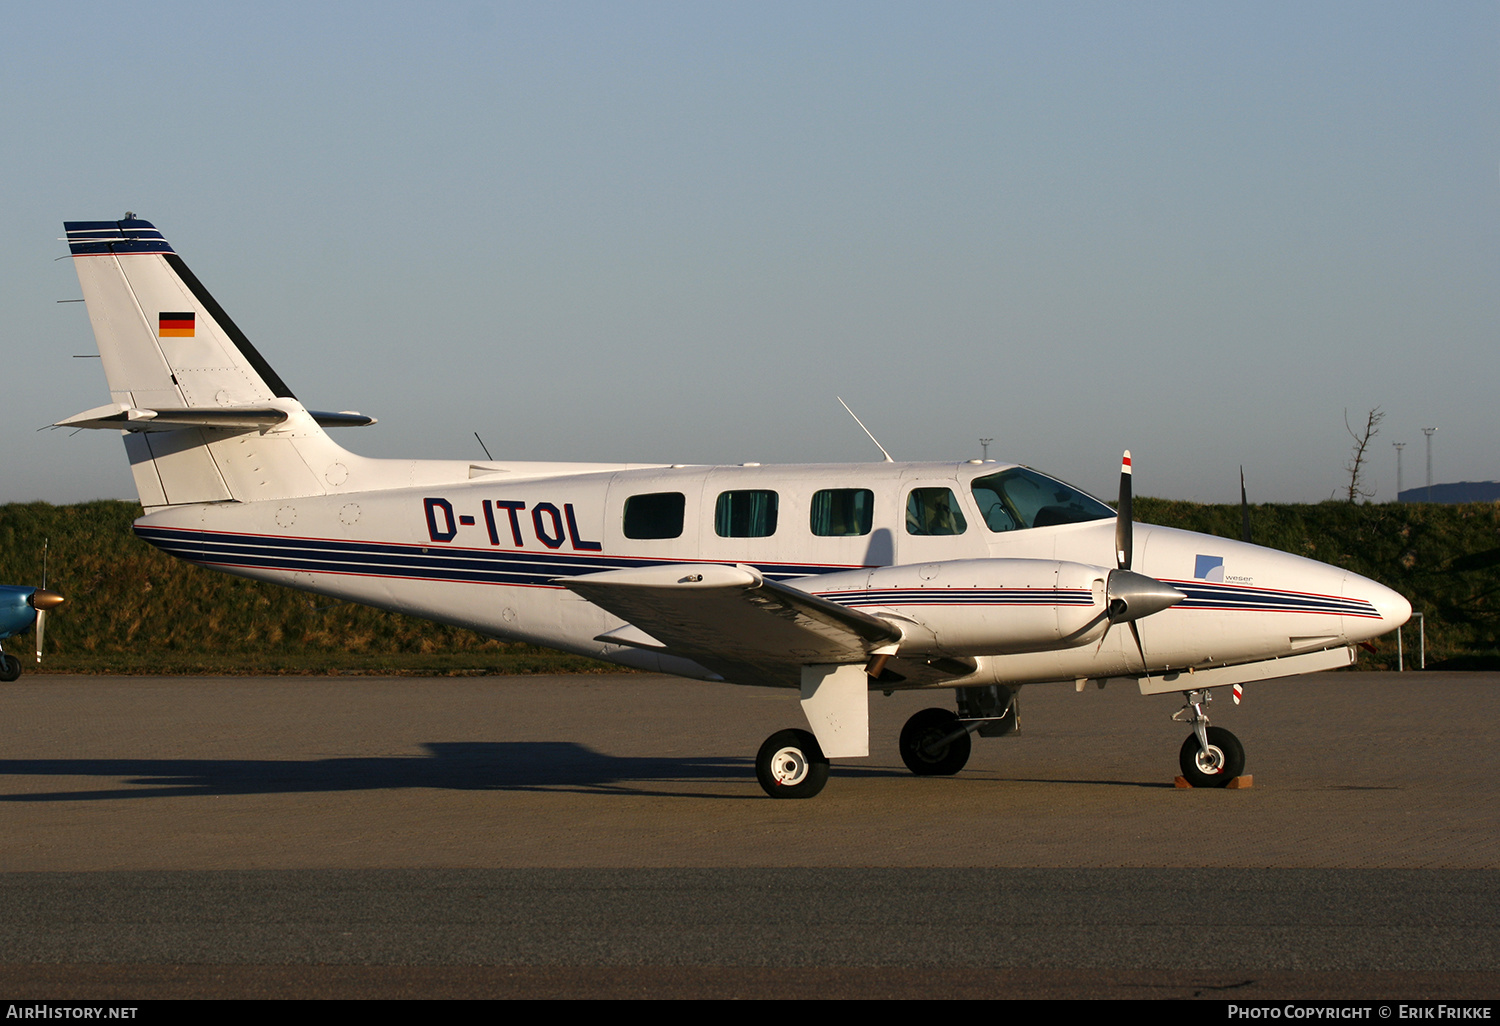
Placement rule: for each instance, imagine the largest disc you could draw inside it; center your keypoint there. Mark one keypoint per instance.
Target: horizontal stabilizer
(720, 615)
(122, 417)
(343, 418)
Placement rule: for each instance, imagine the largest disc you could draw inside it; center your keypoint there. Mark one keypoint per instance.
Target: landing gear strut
(1211, 756)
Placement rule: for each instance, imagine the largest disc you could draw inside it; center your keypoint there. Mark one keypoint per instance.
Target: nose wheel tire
(1224, 760)
(918, 736)
(10, 667)
(791, 765)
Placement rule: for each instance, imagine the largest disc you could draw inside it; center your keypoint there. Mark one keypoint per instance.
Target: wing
(732, 620)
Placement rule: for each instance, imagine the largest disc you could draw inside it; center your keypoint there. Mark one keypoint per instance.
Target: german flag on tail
(175, 325)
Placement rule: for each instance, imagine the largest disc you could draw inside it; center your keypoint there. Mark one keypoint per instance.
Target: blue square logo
(1210, 568)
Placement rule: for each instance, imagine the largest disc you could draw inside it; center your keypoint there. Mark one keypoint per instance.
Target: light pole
(1429, 432)
(1399, 446)
(984, 443)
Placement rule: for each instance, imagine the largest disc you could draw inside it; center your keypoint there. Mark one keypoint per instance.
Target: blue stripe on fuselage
(541, 569)
(1266, 600)
(424, 562)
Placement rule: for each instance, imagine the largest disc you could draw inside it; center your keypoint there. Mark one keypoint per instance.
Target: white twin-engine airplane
(833, 579)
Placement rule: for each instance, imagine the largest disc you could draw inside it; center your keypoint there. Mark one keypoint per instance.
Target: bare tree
(1356, 464)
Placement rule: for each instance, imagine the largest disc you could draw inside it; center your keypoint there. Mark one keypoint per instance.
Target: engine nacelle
(979, 606)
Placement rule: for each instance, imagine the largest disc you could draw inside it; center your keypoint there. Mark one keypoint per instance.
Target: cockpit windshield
(1017, 499)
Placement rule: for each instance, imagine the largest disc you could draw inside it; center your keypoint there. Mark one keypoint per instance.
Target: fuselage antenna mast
(865, 429)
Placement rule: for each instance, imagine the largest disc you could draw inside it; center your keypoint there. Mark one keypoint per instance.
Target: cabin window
(657, 515)
(843, 512)
(1016, 499)
(933, 511)
(746, 514)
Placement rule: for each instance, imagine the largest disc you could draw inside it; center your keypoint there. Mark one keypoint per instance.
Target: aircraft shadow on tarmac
(449, 765)
(463, 766)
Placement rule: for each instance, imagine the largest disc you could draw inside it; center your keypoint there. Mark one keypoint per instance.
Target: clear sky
(675, 232)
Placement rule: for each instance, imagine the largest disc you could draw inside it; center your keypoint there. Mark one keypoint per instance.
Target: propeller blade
(1140, 647)
(42, 600)
(1244, 509)
(49, 600)
(1123, 530)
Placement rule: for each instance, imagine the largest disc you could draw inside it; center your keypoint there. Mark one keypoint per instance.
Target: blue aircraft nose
(16, 611)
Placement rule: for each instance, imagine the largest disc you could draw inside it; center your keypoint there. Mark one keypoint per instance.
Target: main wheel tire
(1224, 760)
(921, 731)
(10, 667)
(791, 765)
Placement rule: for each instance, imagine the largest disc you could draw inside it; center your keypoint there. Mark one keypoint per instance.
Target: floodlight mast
(1429, 432)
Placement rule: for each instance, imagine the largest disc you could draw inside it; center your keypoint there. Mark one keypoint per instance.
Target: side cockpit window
(1017, 499)
(656, 515)
(934, 511)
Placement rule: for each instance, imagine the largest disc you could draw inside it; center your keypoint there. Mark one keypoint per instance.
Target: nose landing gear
(1211, 756)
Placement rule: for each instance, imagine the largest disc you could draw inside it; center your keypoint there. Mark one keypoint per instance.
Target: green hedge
(135, 609)
(132, 608)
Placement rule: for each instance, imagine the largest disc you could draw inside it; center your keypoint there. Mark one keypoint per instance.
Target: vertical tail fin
(163, 338)
(206, 417)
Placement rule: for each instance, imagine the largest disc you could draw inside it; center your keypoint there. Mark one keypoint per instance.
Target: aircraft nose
(1391, 606)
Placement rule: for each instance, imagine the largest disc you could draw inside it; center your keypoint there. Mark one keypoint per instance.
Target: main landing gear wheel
(918, 736)
(1224, 760)
(791, 765)
(10, 667)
